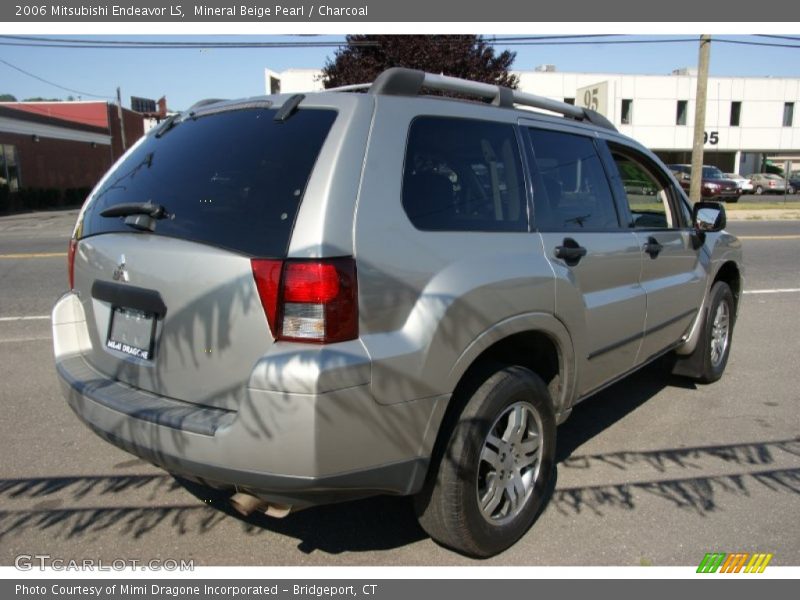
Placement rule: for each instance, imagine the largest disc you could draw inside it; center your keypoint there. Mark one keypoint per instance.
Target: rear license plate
(131, 332)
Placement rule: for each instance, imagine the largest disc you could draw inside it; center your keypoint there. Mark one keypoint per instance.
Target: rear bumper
(287, 447)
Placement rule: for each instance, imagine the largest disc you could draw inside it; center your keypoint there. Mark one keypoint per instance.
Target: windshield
(712, 173)
(234, 179)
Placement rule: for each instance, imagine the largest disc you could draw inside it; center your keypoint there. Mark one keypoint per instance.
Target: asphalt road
(654, 470)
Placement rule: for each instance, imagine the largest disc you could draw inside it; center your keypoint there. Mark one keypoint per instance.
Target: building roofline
(23, 115)
(671, 75)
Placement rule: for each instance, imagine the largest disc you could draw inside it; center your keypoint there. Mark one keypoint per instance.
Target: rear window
(232, 179)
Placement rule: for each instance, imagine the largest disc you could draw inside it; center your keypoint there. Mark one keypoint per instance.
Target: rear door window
(573, 192)
(464, 175)
(233, 179)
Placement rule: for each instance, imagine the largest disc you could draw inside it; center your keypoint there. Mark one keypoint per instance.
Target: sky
(187, 75)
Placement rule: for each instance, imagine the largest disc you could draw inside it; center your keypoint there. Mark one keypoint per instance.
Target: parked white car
(743, 182)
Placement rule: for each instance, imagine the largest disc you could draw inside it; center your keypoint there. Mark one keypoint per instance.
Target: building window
(569, 101)
(736, 113)
(680, 114)
(9, 168)
(274, 85)
(627, 112)
(788, 114)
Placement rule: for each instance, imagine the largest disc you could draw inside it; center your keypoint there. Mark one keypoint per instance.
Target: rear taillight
(309, 300)
(73, 245)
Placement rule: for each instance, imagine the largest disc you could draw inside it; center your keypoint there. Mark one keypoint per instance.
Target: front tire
(717, 333)
(494, 469)
(759, 190)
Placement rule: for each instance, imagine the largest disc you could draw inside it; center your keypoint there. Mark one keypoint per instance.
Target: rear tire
(759, 190)
(494, 468)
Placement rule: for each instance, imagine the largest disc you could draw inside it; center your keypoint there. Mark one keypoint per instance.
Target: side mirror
(708, 216)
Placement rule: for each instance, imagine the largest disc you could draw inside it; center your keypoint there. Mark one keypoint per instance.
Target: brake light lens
(73, 246)
(314, 283)
(267, 274)
(309, 300)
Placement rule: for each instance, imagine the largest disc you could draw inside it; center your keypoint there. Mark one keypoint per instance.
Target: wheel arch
(537, 341)
(730, 273)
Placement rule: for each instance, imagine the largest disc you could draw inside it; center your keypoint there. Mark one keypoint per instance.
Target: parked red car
(715, 185)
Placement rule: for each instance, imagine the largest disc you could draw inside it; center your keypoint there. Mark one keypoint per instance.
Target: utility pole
(700, 118)
(122, 123)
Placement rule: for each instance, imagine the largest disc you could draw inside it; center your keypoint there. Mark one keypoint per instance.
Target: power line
(43, 80)
(780, 37)
(49, 42)
(525, 38)
(83, 43)
(746, 43)
(603, 42)
(510, 41)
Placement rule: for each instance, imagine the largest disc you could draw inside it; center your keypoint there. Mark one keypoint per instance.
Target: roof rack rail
(205, 102)
(399, 81)
(353, 87)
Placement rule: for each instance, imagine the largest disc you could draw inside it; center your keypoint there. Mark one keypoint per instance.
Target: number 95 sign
(711, 137)
(593, 97)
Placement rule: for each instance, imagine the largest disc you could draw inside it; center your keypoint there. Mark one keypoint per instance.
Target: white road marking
(774, 291)
(25, 339)
(25, 318)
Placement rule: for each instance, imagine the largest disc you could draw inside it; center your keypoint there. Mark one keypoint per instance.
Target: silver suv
(311, 298)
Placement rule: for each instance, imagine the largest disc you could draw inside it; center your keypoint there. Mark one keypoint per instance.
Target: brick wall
(60, 164)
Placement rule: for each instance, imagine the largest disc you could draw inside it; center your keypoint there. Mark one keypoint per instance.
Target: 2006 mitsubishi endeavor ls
(309, 298)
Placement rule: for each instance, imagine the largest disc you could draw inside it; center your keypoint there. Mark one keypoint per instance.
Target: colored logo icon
(737, 562)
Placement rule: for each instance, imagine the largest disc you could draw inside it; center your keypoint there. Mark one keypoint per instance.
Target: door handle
(570, 251)
(652, 247)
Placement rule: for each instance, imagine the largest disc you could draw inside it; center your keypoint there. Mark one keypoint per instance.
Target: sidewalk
(43, 223)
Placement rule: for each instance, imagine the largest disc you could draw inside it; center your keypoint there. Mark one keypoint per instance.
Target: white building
(749, 120)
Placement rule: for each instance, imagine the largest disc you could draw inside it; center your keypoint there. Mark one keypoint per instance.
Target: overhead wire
(48, 82)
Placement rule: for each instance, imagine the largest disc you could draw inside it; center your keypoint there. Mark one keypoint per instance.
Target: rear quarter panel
(430, 302)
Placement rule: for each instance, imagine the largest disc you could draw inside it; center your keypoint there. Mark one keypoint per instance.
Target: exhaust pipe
(247, 504)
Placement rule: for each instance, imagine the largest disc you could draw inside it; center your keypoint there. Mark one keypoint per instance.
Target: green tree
(465, 56)
(8, 98)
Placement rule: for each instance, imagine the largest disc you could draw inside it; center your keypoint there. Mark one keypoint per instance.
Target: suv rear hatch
(170, 299)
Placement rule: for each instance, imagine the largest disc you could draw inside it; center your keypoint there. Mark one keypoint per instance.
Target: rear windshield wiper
(140, 215)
